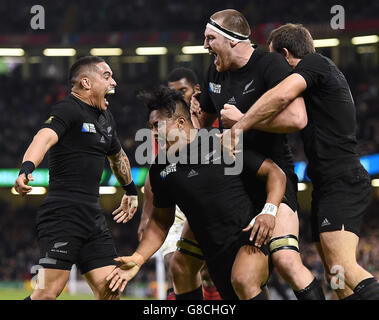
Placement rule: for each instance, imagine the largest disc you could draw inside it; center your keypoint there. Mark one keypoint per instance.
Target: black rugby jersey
(330, 135)
(216, 205)
(243, 88)
(86, 136)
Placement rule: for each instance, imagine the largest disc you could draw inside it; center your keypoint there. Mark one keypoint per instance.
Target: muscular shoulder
(66, 106)
(315, 62)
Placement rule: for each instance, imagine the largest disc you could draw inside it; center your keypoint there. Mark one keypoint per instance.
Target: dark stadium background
(32, 82)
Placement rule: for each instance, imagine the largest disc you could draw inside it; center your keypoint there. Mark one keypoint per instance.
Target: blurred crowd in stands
(71, 16)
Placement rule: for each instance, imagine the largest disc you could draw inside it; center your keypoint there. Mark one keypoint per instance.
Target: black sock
(196, 294)
(353, 296)
(260, 296)
(28, 298)
(368, 289)
(311, 292)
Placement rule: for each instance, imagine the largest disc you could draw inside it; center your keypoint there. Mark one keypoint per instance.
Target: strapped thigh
(190, 248)
(288, 242)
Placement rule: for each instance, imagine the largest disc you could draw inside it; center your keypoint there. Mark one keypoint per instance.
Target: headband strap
(225, 32)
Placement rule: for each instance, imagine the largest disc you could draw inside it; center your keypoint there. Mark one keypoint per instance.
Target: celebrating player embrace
(341, 186)
(217, 206)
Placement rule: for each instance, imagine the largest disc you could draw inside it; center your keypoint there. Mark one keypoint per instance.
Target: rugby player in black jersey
(341, 186)
(79, 134)
(238, 76)
(182, 268)
(219, 211)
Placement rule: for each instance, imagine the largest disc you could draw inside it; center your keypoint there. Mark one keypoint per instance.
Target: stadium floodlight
(107, 190)
(11, 52)
(194, 50)
(302, 186)
(135, 59)
(375, 183)
(106, 51)
(331, 42)
(35, 191)
(150, 51)
(365, 40)
(59, 52)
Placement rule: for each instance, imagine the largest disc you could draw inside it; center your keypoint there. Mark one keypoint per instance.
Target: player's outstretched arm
(153, 238)
(278, 101)
(263, 224)
(147, 207)
(120, 166)
(42, 142)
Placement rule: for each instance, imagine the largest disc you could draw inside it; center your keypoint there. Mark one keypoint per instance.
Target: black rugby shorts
(74, 233)
(340, 202)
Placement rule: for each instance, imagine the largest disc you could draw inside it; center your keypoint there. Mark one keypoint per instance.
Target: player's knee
(177, 266)
(284, 261)
(285, 254)
(245, 286)
(337, 267)
(181, 267)
(105, 294)
(287, 262)
(44, 295)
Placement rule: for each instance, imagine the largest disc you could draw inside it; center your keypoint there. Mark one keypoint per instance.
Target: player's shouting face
(220, 47)
(102, 84)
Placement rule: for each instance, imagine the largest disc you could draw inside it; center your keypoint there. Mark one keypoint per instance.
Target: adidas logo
(192, 173)
(102, 140)
(325, 223)
(232, 101)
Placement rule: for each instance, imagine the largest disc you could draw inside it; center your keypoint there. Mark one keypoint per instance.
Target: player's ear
(286, 53)
(86, 83)
(196, 88)
(180, 122)
(233, 43)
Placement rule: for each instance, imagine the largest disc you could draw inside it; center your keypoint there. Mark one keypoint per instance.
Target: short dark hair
(81, 63)
(294, 37)
(166, 100)
(233, 20)
(180, 73)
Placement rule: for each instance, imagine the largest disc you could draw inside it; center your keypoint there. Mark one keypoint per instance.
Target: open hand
(126, 210)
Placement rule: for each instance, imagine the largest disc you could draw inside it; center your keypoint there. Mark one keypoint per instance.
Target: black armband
(130, 189)
(27, 167)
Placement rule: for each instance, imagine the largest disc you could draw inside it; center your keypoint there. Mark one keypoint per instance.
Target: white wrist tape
(268, 208)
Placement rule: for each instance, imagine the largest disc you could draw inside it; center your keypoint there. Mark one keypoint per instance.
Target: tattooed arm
(120, 166)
